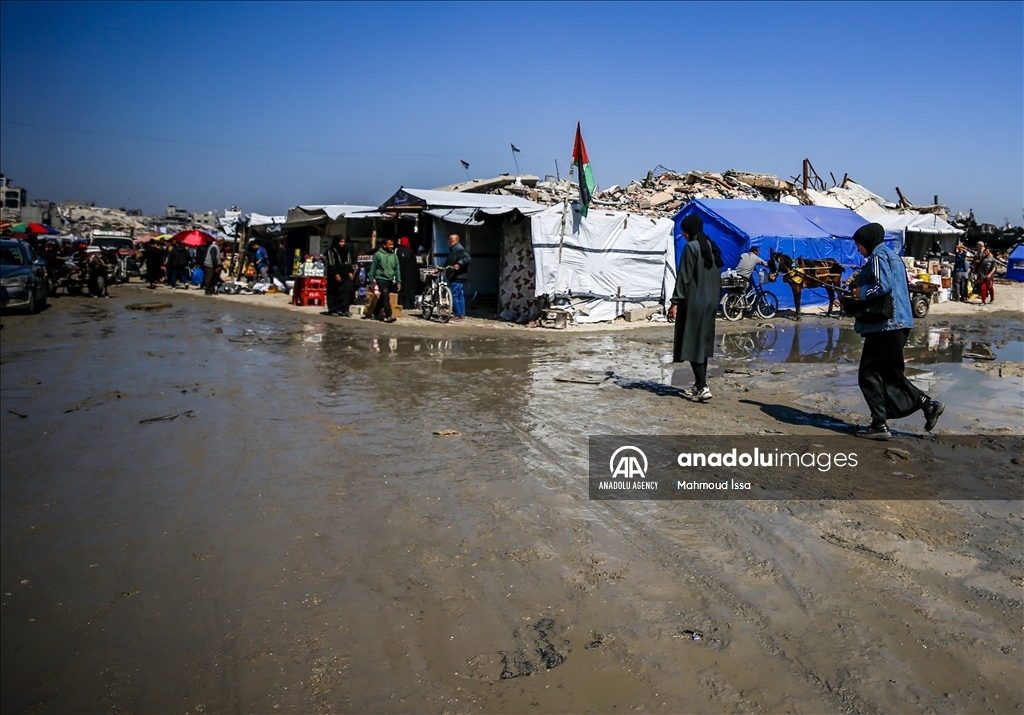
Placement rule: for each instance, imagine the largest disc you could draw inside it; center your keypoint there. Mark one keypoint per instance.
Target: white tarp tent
(918, 232)
(606, 263)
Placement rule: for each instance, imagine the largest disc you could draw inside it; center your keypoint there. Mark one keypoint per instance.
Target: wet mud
(219, 508)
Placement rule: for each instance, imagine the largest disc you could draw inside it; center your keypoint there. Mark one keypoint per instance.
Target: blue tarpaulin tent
(1015, 264)
(814, 232)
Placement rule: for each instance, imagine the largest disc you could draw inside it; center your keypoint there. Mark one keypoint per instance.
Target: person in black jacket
(154, 255)
(177, 265)
(410, 274)
(341, 285)
(458, 261)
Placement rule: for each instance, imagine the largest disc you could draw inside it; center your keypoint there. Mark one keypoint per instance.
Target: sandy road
(297, 539)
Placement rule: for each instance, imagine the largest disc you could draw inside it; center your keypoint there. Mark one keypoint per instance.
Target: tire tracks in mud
(842, 682)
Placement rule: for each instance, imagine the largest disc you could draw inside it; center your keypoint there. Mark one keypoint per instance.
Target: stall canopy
(1015, 264)
(261, 225)
(812, 232)
(456, 206)
(604, 264)
(312, 215)
(919, 232)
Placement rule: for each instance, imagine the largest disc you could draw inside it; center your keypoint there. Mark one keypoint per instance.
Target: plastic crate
(310, 297)
(313, 283)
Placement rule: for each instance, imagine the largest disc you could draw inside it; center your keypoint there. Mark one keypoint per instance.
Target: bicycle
(743, 296)
(436, 300)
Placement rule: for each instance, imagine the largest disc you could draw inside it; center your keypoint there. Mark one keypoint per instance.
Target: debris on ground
(167, 418)
(149, 306)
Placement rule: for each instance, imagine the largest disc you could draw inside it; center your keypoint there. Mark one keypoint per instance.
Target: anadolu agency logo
(628, 467)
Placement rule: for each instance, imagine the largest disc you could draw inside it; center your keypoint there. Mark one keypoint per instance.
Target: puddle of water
(810, 344)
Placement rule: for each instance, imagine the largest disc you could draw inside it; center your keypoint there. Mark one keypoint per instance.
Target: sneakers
(390, 319)
(875, 431)
(933, 410)
(366, 316)
(696, 394)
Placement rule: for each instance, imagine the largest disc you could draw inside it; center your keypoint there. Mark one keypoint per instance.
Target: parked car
(23, 276)
(127, 256)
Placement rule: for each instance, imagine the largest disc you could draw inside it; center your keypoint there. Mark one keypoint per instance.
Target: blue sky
(270, 105)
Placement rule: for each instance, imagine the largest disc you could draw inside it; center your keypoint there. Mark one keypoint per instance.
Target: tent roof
(261, 220)
(754, 219)
(322, 213)
(837, 222)
(432, 199)
(922, 223)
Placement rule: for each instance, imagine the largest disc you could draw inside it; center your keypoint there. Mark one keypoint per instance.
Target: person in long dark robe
(883, 382)
(340, 285)
(410, 274)
(154, 255)
(694, 304)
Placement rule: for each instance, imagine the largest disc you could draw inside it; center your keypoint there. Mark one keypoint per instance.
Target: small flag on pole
(514, 148)
(586, 176)
(465, 164)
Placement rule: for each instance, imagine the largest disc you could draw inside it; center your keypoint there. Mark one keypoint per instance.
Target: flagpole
(557, 176)
(515, 159)
(565, 208)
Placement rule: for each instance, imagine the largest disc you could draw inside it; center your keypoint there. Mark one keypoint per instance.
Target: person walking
(385, 276)
(458, 261)
(694, 304)
(340, 278)
(411, 271)
(211, 266)
(262, 260)
(886, 389)
(177, 266)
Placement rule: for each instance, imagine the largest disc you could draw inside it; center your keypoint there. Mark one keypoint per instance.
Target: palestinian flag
(583, 172)
(465, 164)
(515, 149)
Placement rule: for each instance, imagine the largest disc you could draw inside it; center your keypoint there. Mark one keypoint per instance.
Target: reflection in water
(805, 343)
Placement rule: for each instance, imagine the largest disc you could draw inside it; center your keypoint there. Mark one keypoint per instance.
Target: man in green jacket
(385, 276)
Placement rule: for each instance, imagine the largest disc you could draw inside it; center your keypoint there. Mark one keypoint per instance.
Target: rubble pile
(661, 194)
(83, 218)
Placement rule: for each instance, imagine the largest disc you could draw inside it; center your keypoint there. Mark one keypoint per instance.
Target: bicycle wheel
(427, 304)
(767, 304)
(444, 304)
(732, 307)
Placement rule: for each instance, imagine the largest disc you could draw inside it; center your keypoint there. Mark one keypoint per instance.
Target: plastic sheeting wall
(618, 260)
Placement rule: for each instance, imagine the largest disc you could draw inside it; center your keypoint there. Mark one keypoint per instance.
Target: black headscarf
(693, 226)
(869, 236)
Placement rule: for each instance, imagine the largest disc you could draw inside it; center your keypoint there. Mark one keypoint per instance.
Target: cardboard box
(371, 303)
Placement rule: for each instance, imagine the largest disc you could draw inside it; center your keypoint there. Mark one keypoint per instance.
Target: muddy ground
(218, 507)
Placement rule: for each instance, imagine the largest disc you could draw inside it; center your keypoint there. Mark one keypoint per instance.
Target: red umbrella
(193, 238)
